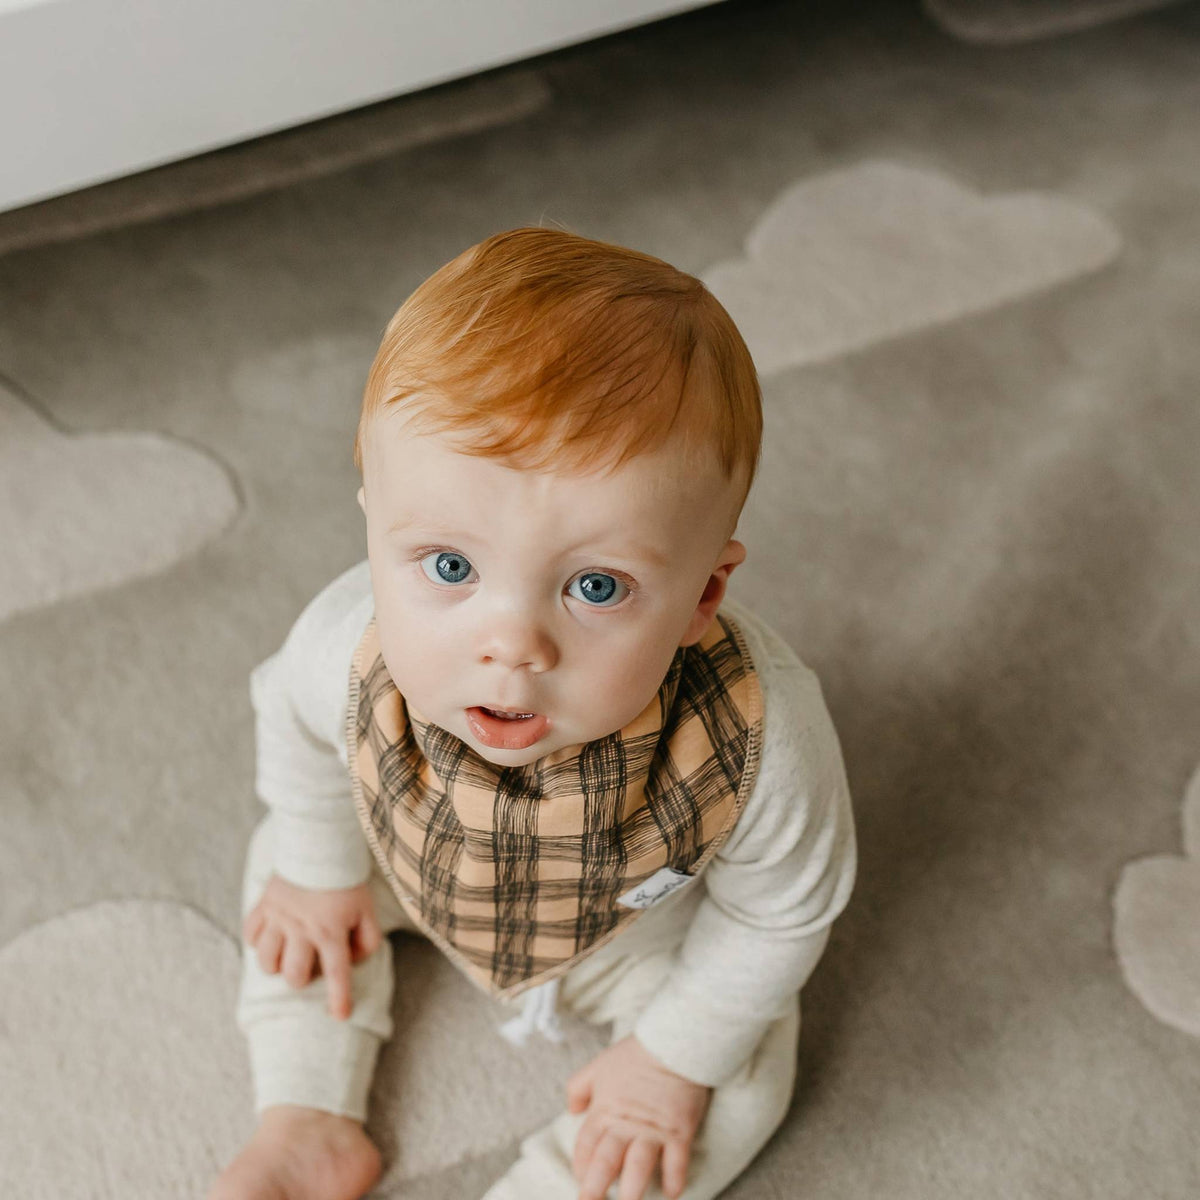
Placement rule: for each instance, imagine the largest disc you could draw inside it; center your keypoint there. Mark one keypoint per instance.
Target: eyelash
(630, 583)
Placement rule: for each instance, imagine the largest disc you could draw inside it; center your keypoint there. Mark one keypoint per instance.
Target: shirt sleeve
(300, 695)
(771, 892)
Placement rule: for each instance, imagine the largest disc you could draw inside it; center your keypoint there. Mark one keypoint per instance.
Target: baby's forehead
(653, 500)
(393, 437)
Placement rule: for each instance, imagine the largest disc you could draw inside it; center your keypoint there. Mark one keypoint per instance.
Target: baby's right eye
(448, 566)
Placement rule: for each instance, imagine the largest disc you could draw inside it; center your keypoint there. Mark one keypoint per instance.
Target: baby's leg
(743, 1112)
(311, 1072)
(299, 1054)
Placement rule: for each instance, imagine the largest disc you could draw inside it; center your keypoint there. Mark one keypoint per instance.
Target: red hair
(544, 348)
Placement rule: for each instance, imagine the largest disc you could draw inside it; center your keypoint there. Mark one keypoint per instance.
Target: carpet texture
(123, 1003)
(874, 251)
(1002, 22)
(969, 277)
(82, 511)
(276, 160)
(1158, 926)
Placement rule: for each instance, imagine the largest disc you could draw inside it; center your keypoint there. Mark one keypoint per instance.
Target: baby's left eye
(598, 589)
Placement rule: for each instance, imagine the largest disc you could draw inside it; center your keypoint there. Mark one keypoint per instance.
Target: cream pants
(301, 1055)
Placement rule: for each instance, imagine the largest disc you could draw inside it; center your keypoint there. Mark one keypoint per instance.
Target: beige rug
(852, 257)
(79, 512)
(1157, 930)
(307, 152)
(1004, 22)
(972, 297)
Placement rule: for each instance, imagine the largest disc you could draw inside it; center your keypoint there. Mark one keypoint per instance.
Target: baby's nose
(516, 642)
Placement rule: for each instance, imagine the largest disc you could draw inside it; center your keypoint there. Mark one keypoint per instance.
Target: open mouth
(506, 729)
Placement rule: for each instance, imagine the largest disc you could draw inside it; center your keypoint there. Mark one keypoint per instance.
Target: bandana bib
(517, 873)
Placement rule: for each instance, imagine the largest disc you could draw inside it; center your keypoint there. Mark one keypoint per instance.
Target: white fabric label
(651, 891)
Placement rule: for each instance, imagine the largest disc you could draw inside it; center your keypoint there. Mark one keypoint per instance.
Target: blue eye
(598, 589)
(447, 566)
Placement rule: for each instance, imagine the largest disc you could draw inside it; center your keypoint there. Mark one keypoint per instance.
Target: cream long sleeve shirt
(747, 933)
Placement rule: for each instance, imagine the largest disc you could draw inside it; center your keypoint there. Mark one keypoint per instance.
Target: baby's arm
(762, 925)
(316, 915)
(303, 932)
(770, 894)
(299, 696)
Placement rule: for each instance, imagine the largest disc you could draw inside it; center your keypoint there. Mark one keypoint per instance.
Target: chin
(509, 758)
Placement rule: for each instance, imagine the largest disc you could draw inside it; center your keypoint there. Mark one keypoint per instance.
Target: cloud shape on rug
(851, 257)
(81, 512)
(1157, 927)
(1007, 22)
(118, 1020)
(118, 1040)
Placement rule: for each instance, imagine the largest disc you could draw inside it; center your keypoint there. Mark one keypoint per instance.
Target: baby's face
(525, 611)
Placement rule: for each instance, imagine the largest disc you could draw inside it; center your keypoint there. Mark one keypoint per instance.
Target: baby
(531, 728)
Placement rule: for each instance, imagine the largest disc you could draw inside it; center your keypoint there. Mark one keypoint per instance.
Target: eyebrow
(631, 550)
(434, 527)
(651, 554)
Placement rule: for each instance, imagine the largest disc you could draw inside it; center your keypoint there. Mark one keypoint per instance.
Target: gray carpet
(1003, 22)
(290, 156)
(969, 277)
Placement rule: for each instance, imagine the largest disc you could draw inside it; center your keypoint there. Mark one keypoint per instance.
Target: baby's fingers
(674, 1167)
(268, 949)
(335, 966)
(252, 925)
(604, 1167)
(299, 956)
(640, 1160)
(366, 937)
(585, 1144)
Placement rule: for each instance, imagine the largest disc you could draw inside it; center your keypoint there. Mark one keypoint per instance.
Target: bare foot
(301, 1154)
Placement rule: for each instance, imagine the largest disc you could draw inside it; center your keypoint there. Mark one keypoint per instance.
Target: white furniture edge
(91, 90)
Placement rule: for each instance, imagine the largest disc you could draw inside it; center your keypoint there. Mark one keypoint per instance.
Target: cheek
(414, 651)
(624, 683)
(421, 678)
(638, 673)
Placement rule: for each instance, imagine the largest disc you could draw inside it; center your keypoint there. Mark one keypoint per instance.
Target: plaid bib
(518, 873)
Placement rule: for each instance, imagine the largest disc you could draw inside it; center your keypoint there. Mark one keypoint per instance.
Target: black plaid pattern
(516, 871)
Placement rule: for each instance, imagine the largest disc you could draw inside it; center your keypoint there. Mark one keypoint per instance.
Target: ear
(732, 556)
(362, 499)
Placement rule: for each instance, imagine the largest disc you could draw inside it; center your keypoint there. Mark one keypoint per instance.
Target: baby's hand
(637, 1110)
(292, 927)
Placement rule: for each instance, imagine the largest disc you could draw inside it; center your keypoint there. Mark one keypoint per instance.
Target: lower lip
(499, 734)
